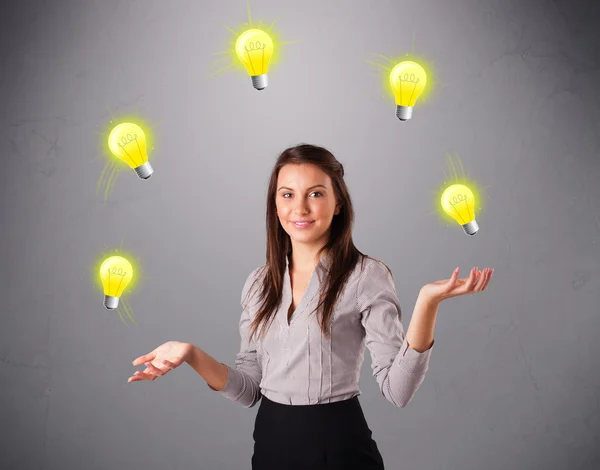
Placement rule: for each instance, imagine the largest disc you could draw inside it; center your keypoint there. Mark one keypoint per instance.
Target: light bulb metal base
(111, 302)
(471, 228)
(404, 113)
(144, 171)
(259, 82)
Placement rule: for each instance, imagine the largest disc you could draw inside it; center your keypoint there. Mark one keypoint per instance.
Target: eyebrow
(308, 189)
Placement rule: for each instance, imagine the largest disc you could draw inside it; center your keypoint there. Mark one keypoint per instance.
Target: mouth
(303, 223)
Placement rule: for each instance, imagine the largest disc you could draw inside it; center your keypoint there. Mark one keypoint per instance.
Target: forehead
(304, 174)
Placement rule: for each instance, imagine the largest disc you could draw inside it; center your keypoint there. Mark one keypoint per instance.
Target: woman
(308, 315)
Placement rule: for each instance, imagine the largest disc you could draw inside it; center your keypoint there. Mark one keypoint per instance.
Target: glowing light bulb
(128, 143)
(408, 79)
(116, 273)
(458, 202)
(254, 48)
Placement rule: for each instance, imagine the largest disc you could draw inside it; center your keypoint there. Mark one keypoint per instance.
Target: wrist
(428, 299)
(191, 353)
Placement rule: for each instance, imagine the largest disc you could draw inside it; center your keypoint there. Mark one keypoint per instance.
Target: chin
(307, 238)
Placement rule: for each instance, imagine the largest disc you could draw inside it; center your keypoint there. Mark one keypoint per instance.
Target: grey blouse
(295, 364)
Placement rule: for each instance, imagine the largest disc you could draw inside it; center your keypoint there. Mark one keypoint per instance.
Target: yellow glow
(408, 79)
(254, 49)
(229, 58)
(127, 142)
(99, 258)
(456, 176)
(108, 178)
(115, 272)
(459, 203)
(124, 310)
(385, 65)
(114, 121)
(109, 175)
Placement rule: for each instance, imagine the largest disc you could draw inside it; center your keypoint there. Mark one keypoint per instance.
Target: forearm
(208, 368)
(422, 324)
(408, 371)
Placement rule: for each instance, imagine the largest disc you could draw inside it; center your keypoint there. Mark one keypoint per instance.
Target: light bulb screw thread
(111, 302)
(404, 113)
(471, 228)
(260, 82)
(144, 171)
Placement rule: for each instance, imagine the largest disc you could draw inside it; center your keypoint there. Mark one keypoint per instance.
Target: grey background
(513, 378)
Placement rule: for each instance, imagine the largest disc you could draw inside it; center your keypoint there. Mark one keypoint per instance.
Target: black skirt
(329, 436)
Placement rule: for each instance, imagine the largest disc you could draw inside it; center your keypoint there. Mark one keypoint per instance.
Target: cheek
(322, 208)
(282, 210)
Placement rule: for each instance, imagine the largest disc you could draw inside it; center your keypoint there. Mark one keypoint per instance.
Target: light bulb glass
(116, 273)
(254, 48)
(127, 142)
(459, 203)
(408, 79)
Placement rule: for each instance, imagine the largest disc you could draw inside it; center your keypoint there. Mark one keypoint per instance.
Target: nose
(300, 206)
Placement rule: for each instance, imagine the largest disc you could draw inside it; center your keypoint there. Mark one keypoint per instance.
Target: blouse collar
(325, 260)
(320, 268)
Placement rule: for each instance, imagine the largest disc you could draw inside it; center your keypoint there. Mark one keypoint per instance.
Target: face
(305, 193)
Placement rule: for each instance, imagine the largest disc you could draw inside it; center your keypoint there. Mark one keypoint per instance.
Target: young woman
(307, 316)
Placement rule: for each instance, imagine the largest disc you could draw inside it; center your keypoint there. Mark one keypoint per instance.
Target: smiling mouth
(303, 224)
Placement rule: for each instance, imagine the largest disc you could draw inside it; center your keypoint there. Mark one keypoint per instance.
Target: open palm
(453, 287)
(164, 358)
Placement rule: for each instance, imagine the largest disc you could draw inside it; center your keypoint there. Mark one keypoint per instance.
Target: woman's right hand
(164, 358)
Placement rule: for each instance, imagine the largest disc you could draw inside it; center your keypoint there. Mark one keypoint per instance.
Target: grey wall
(513, 379)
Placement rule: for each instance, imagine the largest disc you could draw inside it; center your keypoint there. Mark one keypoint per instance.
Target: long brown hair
(341, 250)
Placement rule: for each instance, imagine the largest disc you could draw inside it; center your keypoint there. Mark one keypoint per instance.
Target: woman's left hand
(453, 287)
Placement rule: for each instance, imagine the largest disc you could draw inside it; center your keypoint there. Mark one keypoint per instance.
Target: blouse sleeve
(398, 369)
(243, 381)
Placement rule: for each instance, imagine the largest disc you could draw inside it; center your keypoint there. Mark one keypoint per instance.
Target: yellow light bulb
(458, 202)
(116, 273)
(254, 48)
(408, 79)
(128, 143)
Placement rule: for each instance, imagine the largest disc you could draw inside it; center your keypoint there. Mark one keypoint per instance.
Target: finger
(464, 280)
(134, 379)
(452, 281)
(145, 358)
(149, 374)
(140, 376)
(481, 280)
(487, 281)
(468, 286)
(170, 365)
(154, 370)
(146, 374)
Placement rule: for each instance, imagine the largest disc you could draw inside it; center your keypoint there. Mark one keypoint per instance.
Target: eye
(285, 194)
(317, 192)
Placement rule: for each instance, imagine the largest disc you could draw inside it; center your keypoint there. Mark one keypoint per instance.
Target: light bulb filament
(254, 47)
(407, 80)
(412, 78)
(117, 271)
(251, 46)
(110, 281)
(458, 199)
(126, 140)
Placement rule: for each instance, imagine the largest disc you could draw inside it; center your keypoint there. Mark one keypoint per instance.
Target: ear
(337, 209)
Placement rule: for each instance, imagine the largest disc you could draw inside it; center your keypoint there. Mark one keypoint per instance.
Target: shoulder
(252, 285)
(369, 266)
(375, 280)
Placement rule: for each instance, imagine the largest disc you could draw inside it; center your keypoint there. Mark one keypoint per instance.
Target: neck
(305, 259)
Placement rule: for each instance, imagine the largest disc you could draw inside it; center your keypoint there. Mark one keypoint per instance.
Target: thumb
(145, 358)
(452, 281)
